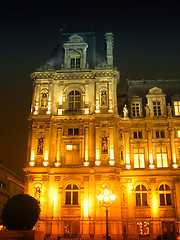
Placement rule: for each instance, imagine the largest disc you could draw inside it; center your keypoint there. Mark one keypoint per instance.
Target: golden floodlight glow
(32, 155)
(45, 163)
(69, 147)
(57, 164)
(97, 163)
(60, 111)
(31, 163)
(86, 164)
(175, 165)
(86, 110)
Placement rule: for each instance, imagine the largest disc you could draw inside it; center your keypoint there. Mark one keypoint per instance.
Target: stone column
(98, 147)
(127, 149)
(173, 153)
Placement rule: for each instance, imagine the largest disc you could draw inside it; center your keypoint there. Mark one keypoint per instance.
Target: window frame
(161, 156)
(135, 109)
(144, 230)
(139, 155)
(143, 202)
(164, 195)
(176, 107)
(157, 111)
(71, 193)
(74, 100)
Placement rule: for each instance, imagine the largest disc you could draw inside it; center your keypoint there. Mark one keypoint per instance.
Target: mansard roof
(141, 88)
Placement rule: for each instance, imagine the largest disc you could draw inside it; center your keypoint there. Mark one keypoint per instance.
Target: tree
(20, 212)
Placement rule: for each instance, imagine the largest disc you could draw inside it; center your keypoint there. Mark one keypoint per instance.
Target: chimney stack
(109, 48)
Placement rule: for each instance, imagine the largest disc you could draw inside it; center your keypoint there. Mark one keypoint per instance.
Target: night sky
(146, 46)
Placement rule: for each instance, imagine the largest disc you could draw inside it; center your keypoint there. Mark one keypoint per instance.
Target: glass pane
(143, 188)
(76, 131)
(162, 200)
(138, 199)
(68, 198)
(167, 187)
(144, 199)
(136, 161)
(159, 162)
(70, 131)
(161, 188)
(164, 157)
(75, 186)
(68, 187)
(140, 134)
(77, 93)
(141, 160)
(135, 134)
(75, 198)
(168, 199)
(137, 188)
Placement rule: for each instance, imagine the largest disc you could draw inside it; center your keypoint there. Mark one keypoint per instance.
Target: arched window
(165, 195)
(141, 195)
(74, 100)
(71, 194)
(75, 60)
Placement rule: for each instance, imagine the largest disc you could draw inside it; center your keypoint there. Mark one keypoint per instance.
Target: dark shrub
(20, 212)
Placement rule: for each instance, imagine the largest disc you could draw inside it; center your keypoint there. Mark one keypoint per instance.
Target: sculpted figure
(125, 111)
(169, 110)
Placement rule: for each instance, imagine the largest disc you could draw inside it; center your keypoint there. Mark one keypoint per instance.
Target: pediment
(155, 91)
(76, 39)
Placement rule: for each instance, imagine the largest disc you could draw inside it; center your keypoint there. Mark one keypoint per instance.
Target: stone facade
(82, 137)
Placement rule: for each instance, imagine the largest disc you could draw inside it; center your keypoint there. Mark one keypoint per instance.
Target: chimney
(109, 48)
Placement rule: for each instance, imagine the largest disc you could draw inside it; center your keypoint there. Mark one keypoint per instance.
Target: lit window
(161, 156)
(73, 131)
(178, 133)
(160, 134)
(177, 108)
(138, 157)
(143, 228)
(72, 154)
(137, 135)
(74, 100)
(141, 195)
(71, 194)
(135, 109)
(157, 108)
(75, 60)
(165, 195)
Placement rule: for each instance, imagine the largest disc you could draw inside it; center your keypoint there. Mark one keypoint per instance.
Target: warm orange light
(100, 197)
(45, 163)
(31, 163)
(86, 164)
(97, 163)
(69, 147)
(113, 197)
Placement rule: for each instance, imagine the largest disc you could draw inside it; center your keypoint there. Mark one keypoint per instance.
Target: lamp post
(106, 198)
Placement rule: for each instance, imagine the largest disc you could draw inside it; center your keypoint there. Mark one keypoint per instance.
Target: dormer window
(177, 108)
(156, 103)
(75, 60)
(157, 108)
(136, 106)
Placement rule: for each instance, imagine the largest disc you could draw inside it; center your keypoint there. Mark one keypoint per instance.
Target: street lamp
(106, 198)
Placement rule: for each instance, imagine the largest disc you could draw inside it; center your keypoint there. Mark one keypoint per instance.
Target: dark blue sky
(147, 46)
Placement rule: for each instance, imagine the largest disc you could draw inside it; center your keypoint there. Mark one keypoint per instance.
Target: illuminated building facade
(83, 137)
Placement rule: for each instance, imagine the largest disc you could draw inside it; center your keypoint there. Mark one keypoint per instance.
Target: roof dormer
(75, 53)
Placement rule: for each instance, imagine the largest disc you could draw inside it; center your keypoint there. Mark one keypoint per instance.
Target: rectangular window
(137, 135)
(135, 109)
(177, 108)
(160, 134)
(138, 157)
(168, 199)
(157, 108)
(73, 131)
(144, 199)
(161, 157)
(178, 133)
(72, 154)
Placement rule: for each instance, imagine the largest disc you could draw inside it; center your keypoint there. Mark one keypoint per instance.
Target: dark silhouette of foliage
(20, 212)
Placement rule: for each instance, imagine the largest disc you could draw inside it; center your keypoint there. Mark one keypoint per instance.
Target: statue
(104, 98)
(104, 145)
(40, 146)
(147, 109)
(169, 110)
(125, 111)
